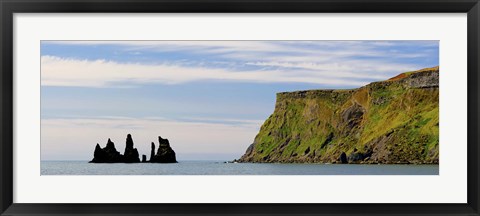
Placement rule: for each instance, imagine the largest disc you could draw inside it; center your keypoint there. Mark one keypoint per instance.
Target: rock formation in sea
(131, 154)
(165, 153)
(109, 154)
(152, 152)
(387, 122)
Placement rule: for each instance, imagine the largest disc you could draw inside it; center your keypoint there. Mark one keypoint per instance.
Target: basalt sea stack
(165, 153)
(131, 154)
(109, 154)
(391, 121)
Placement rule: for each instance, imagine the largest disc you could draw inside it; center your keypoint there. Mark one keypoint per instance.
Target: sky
(209, 98)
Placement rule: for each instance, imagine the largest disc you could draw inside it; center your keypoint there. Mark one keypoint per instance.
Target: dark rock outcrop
(109, 154)
(343, 158)
(165, 153)
(352, 116)
(131, 154)
(152, 152)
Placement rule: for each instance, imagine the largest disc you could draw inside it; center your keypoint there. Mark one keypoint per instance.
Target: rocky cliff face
(392, 121)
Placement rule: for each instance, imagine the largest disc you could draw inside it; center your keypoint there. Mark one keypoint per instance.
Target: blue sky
(208, 97)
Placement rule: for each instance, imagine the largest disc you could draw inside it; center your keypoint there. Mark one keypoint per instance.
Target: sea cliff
(387, 122)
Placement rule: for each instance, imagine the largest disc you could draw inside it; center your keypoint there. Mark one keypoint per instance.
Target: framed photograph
(239, 108)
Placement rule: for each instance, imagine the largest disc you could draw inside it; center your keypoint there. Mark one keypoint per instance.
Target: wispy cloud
(192, 46)
(368, 48)
(346, 63)
(349, 69)
(58, 71)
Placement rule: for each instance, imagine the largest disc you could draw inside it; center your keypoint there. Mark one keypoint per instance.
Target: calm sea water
(221, 168)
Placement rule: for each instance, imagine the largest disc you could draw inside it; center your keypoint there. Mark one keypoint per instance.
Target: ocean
(221, 168)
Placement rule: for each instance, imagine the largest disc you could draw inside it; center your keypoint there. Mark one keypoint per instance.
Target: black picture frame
(9, 7)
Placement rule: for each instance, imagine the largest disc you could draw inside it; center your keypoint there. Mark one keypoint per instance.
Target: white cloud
(347, 69)
(343, 48)
(58, 71)
(75, 138)
(346, 63)
(197, 46)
